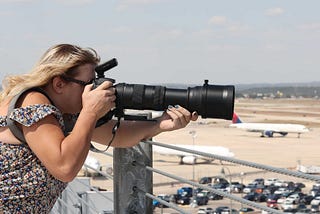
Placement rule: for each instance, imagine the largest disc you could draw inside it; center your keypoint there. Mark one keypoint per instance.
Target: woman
(36, 166)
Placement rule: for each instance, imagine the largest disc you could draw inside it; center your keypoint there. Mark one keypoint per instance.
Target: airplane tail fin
(235, 118)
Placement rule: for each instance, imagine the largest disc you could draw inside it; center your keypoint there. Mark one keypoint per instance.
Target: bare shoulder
(31, 98)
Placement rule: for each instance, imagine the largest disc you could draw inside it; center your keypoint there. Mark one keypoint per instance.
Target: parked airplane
(93, 167)
(188, 158)
(268, 129)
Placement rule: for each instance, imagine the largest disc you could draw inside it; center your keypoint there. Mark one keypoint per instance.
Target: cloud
(167, 34)
(315, 26)
(125, 4)
(238, 28)
(277, 11)
(5, 13)
(75, 2)
(122, 29)
(218, 20)
(17, 1)
(228, 25)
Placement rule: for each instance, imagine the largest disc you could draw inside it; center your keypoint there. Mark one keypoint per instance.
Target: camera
(209, 101)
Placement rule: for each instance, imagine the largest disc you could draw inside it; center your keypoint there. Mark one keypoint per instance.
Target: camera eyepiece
(100, 69)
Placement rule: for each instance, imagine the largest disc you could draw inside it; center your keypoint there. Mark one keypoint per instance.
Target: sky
(171, 41)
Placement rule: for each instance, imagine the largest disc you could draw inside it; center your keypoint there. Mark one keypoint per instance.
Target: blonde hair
(57, 60)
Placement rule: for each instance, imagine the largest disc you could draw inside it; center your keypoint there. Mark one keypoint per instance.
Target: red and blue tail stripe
(235, 118)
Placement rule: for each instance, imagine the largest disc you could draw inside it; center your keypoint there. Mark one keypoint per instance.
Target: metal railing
(133, 182)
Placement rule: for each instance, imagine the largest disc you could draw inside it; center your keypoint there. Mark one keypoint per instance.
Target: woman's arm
(64, 156)
(132, 132)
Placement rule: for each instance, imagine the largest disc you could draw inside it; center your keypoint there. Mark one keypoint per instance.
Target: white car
(282, 190)
(270, 181)
(280, 183)
(287, 205)
(205, 210)
(281, 200)
(294, 199)
(315, 201)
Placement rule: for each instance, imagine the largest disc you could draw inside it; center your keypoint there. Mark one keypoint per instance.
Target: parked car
(282, 190)
(270, 181)
(300, 185)
(245, 210)
(184, 200)
(213, 196)
(272, 201)
(174, 198)
(273, 204)
(315, 201)
(185, 191)
(302, 208)
(258, 181)
(314, 192)
(250, 188)
(210, 195)
(228, 211)
(288, 205)
(283, 197)
(306, 199)
(315, 209)
(250, 196)
(270, 189)
(260, 197)
(220, 186)
(273, 197)
(235, 187)
(218, 210)
(201, 200)
(291, 210)
(213, 180)
(205, 210)
(205, 180)
(164, 197)
(282, 183)
(294, 199)
(316, 186)
(218, 180)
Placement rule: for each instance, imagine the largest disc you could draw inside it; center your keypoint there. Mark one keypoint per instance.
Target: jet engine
(267, 133)
(188, 160)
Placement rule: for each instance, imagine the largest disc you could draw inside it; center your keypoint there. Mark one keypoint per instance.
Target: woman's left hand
(176, 117)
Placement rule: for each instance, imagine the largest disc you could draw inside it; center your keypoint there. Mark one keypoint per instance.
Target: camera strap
(114, 132)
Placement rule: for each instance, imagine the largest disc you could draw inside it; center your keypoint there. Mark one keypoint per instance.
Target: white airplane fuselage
(269, 128)
(189, 158)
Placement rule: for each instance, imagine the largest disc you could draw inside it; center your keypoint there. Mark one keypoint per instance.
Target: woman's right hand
(99, 100)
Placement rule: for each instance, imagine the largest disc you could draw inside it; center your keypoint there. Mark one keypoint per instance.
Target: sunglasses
(80, 82)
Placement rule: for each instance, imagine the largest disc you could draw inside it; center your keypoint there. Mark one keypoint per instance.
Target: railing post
(131, 179)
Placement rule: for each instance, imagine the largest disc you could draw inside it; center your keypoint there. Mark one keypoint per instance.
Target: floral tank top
(26, 186)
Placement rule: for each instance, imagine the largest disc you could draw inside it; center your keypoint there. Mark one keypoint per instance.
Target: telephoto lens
(209, 101)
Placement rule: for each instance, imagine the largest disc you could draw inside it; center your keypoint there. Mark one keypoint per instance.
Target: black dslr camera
(209, 101)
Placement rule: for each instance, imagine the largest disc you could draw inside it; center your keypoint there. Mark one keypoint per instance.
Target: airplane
(93, 167)
(269, 129)
(189, 158)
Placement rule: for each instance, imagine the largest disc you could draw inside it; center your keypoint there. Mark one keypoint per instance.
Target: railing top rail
(241, 162)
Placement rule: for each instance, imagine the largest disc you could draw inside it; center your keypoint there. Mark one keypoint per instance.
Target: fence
(133, 184)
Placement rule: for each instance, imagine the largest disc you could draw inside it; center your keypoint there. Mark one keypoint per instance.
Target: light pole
(193, 134)
(230, 180)
(242, 174)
